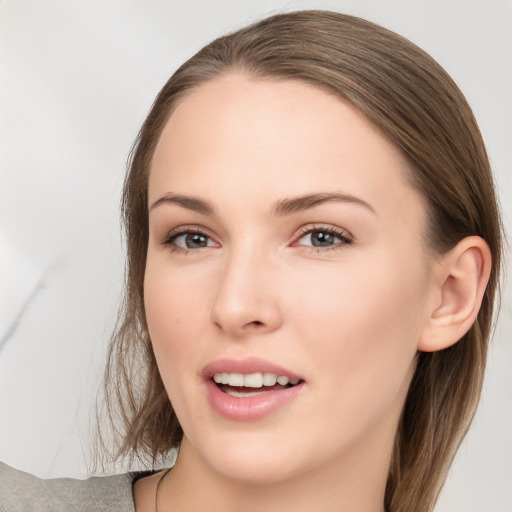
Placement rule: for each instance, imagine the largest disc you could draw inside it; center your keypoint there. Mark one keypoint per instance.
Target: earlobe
(463, 274)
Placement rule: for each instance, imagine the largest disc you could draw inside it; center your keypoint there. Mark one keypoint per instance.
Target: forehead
(275, 138)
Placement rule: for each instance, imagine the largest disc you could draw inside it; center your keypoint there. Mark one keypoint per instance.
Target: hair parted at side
(417, 105)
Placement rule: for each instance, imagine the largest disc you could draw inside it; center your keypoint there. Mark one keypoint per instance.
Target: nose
(247, 298)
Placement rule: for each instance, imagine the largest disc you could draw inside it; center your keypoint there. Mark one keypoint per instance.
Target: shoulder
(20, 491)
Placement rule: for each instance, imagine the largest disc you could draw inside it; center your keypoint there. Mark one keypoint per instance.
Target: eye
(323, 237)
(185, 240)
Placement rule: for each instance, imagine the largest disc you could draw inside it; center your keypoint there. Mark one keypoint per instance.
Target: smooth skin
(342, 291)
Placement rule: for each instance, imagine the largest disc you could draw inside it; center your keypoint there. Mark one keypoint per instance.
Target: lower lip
(249, 408)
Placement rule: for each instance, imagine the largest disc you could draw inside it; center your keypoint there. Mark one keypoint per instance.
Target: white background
(77, 80)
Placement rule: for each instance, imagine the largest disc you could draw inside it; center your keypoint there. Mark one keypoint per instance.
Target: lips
(249, 389)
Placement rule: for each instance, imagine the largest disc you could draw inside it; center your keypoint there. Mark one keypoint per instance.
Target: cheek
(363, 323)
(175, 314)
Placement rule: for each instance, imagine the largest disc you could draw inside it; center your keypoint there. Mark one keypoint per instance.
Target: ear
(461, 276)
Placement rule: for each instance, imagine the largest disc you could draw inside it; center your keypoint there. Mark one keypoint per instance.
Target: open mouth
(250, 389)
(248, 385)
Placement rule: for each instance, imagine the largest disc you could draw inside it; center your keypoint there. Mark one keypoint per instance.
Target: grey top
(22, 492)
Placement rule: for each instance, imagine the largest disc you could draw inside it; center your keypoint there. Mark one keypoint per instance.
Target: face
(284, 242)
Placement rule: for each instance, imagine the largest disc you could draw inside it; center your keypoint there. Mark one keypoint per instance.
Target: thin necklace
(167, 471)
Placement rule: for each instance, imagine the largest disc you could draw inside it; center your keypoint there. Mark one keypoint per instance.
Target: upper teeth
(253, 380)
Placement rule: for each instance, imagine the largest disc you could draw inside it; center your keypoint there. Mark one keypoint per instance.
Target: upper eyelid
(324, 227)
(301, 232)
(169, 241)
(181, 230)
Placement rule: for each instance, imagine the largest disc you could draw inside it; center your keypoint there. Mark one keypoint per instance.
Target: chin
(259, 471)
(253, 459)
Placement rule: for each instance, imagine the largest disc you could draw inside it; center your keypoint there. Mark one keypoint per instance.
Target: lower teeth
(242, 394)
(245, 392)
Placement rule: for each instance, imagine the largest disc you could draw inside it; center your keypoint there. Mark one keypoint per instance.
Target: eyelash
(344, 236)
(183, 230)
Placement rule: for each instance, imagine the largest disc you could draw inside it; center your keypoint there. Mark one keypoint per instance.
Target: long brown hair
(417, 105)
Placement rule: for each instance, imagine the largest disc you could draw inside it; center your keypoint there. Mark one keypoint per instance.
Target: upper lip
(246, 366)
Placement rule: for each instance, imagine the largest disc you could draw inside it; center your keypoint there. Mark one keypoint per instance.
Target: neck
(356, 484)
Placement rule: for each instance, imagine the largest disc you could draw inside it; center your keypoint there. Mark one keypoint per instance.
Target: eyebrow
(280, 208)
(297, 204)
(188, 202)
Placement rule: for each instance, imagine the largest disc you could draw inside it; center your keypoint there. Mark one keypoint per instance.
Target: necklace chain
(158, 485)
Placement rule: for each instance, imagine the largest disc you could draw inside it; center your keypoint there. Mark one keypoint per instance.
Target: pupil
(195, 240)
(321, 239)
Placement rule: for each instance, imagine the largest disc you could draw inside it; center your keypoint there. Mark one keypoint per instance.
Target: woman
(313, 253)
